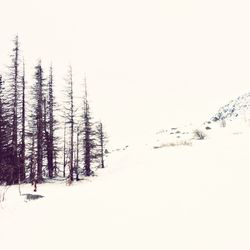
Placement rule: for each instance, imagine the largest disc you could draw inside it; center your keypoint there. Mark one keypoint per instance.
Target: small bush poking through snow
(3, 191)
(199, 134)
(174, 144)
(223, 123)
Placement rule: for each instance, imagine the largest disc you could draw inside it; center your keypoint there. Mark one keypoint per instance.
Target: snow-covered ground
(183, 197)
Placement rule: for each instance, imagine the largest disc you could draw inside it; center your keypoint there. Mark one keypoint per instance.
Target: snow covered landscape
(192, 196)
(125, 125)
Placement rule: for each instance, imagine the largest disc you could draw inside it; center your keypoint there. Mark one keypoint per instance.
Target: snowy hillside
(239, 107)
(186, 197)
(235, 116)
(173, 192)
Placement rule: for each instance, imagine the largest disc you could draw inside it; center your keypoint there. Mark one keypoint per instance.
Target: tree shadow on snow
(30, 197)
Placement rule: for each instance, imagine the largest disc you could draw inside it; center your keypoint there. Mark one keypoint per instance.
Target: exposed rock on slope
(239, 107)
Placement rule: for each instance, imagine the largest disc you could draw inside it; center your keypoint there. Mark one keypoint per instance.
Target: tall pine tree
(51, 147)
(88, 134)
(14, 94)
(6, 167)
(69, 118)
(22, 152)
(101, 142)
(39, 121)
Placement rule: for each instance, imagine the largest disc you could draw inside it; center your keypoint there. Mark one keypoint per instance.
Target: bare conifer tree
(39, 119)
(102, 139)
(14, 79)
(22, 153)
(51, 124)
(64, 150)
(77, 154)
(69, 117)
(5, 150)
(88, 134)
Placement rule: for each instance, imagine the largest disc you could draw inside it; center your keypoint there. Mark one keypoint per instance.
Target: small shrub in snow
(223, 123)
(3, 190)
(174, 144)
(199, 134)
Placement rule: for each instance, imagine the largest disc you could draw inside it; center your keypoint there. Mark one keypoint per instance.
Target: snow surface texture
(181, 197)
(166, 194)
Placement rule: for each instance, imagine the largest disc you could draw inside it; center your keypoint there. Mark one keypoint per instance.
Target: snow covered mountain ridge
(239, 107)
(235, 116)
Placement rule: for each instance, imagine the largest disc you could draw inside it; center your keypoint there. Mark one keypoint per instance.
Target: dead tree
(6, 167)
(2, 122)
(64, 150)
(51, 125)
(39, 119)
(69, 116)
(88, 135)
(14, 79)
(101, 142)
(22, 153)
(77, 154)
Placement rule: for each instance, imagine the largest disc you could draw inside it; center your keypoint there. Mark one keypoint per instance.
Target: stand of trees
(29, 147)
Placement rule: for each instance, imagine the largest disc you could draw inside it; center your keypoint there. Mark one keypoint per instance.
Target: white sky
(150, 64)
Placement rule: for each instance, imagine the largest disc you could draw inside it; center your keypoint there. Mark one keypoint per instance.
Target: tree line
(30, 148)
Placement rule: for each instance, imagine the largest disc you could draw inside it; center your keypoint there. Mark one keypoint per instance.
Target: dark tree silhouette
(88, 135)
(22, 153)
(6, 168)
(77, 153)
(13, 108)
(2, 122)
(101, 142)
(51, 123)
(69, 117)
(28, 143)
(64, 150)
(39, 119)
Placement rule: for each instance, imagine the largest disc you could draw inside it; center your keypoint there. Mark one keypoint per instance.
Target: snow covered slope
(234, 116)
(239, 107)
(186, 197)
